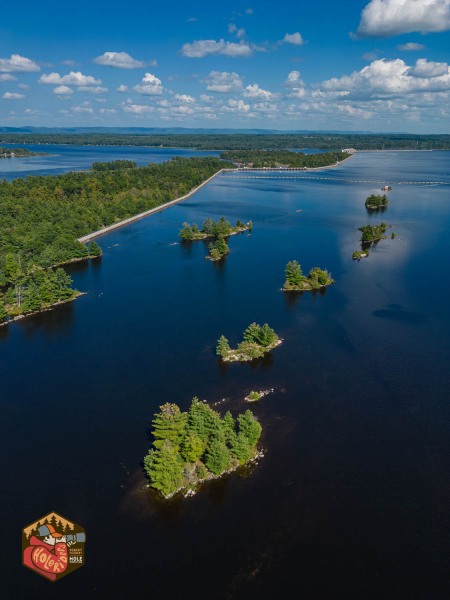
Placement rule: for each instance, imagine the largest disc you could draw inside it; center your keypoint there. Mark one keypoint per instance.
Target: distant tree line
(282, 158)
(241, 141)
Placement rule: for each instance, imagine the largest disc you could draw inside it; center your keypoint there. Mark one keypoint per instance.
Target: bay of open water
(351, 499)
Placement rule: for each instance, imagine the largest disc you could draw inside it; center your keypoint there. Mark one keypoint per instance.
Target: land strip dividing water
(94, 234)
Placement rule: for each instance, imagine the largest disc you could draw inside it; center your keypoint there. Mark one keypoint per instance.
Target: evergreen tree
(266, 335)
(192, 447)
(164, 468)
(223, 347)
(33, 300)
(168, 425)
(249, 427)
(217, 457)
(228, 427)
(241, 448)
(251, 334)
(3, 313)
(293, 272)
(94, 249)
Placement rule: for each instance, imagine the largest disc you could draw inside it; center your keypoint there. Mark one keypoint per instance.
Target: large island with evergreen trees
(198, 445)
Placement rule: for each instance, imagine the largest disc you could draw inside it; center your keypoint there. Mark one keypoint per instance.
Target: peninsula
(46, 221)
(257, 341)
(279, 159)
(18, 153)
(198, 445)
(297, 282)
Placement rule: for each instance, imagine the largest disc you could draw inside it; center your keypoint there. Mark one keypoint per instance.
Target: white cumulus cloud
(63, 90)
(384, 18)
(223, 82)
(120, 60)
(13, 96)
(423, 68)
(150, 86)
(293, 38)
(137, 109)
(97, 89)
(254, 91)
(202, 48)
(122, 88)
(17, 63)
(7, 77)
(73, 78)
(384, 78)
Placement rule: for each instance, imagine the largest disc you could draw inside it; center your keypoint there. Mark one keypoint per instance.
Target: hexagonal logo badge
(53, 546)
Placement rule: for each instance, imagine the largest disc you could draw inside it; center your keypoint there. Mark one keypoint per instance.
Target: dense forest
(241, 141)
(42, 217)
(194, 446)
(282, 158)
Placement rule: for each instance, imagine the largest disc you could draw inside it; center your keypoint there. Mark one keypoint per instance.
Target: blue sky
(374, 65)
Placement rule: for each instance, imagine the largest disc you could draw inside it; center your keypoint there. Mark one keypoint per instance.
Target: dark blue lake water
(351, 499)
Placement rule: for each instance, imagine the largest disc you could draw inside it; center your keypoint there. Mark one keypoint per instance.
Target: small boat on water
(386, 188)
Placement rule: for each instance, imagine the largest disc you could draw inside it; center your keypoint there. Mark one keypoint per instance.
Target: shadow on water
(53, 323)
(395, 312)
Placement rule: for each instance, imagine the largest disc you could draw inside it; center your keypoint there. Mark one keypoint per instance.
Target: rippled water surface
(351, 498)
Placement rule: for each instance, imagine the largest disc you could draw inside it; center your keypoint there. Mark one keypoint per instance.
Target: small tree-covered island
(198, 445)
(211, 229)
(374, 202)
(370, 234)
(257, 341)
(297, 282)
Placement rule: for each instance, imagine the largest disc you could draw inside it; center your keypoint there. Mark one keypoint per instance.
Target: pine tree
(94, 249)
(3, 313)
(249, 427)
(192, 447)
(266, 335)
(241, 448)
(33, 300)
(251, 334)
(217, 457)
(223, 347)
(164, 468)
(168, 425)
(293, 272)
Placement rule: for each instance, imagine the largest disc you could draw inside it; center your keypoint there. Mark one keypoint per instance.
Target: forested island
(279, 159)
(297, 282)
(216, 229)
(370, 234)
(41, 219)
(223, 140)
(257, 341)
(198, 445)
(211, 228)
(376, 202)
(18, 153)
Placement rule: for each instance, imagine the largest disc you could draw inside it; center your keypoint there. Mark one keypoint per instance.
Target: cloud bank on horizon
(249, 68)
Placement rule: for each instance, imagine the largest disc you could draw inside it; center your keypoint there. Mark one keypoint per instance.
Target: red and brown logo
(53, 546)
